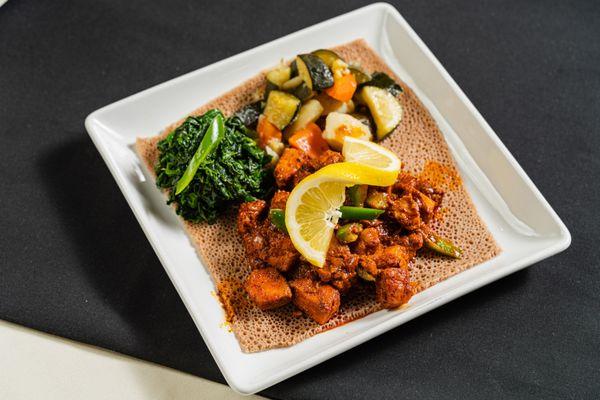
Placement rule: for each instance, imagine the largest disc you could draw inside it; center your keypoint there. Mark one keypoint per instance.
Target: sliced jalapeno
(209, 142)
(349, 212)
(277, 217)
(442, 245)
(358, 194)
(348, 233)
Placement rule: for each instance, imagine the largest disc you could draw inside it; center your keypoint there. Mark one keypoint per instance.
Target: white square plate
(520, 219)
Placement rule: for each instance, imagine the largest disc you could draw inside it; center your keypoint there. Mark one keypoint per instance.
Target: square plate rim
(562, 241)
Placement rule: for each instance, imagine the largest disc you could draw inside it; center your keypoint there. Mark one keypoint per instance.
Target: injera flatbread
(417, 140)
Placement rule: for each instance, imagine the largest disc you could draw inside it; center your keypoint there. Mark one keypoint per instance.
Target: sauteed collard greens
(234, 169)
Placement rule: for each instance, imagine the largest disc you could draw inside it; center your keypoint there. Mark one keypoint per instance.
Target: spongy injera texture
(416, 141)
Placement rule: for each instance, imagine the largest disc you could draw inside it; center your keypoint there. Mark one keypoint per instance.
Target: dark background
(74, 262)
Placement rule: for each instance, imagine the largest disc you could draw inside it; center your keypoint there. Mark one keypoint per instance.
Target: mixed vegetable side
(317, 100)
(258, 155)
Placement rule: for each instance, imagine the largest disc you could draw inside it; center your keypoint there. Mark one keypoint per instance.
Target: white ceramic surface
(518, 216)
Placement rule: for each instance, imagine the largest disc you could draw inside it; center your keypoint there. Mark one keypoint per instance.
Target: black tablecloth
(74, 262)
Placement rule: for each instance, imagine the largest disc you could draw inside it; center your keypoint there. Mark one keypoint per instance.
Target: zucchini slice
(303, 92)
(382, 80)
(281, 108)
(314, 72)
(279, 75)
(298, 88)
(292, 84)
(309, 112)
(365, 119)
(361, 76)
(327, 56)
(249, 113)
(332, 105)
(270, 86)
(384, 107)
(294, 68)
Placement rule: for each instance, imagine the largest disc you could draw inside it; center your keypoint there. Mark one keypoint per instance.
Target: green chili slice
(277, 217)
(209, 143)
(357, 195)
(348, 233)
(349, 212)
(442, 245)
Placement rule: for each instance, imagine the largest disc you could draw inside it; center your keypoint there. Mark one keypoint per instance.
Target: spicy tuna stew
(269, 148)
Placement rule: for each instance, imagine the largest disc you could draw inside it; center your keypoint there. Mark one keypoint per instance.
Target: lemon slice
(371, 154)
(312, 209)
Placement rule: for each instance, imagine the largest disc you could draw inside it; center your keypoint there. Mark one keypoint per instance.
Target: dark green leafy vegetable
(234, 171)
(210, 141)
(277, 217)
(382, 80)
(349, 212)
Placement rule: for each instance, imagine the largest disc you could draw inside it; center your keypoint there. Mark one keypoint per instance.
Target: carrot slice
(310, 140)
(267, 132)
(343, 88)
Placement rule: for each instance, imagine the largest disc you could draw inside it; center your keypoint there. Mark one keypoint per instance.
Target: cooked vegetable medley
(317, 111)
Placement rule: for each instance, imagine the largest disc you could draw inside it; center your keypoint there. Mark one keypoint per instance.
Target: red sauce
(442, 176)
(226, 292)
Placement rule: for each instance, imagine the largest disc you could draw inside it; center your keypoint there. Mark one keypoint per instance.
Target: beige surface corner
(35, 365)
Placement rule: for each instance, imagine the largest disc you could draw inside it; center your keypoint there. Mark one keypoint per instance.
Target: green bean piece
(348, 233)
(209, 143)
(277, 217)
(349, 212)
(442, 245)
(377, 200)
(358, 194)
